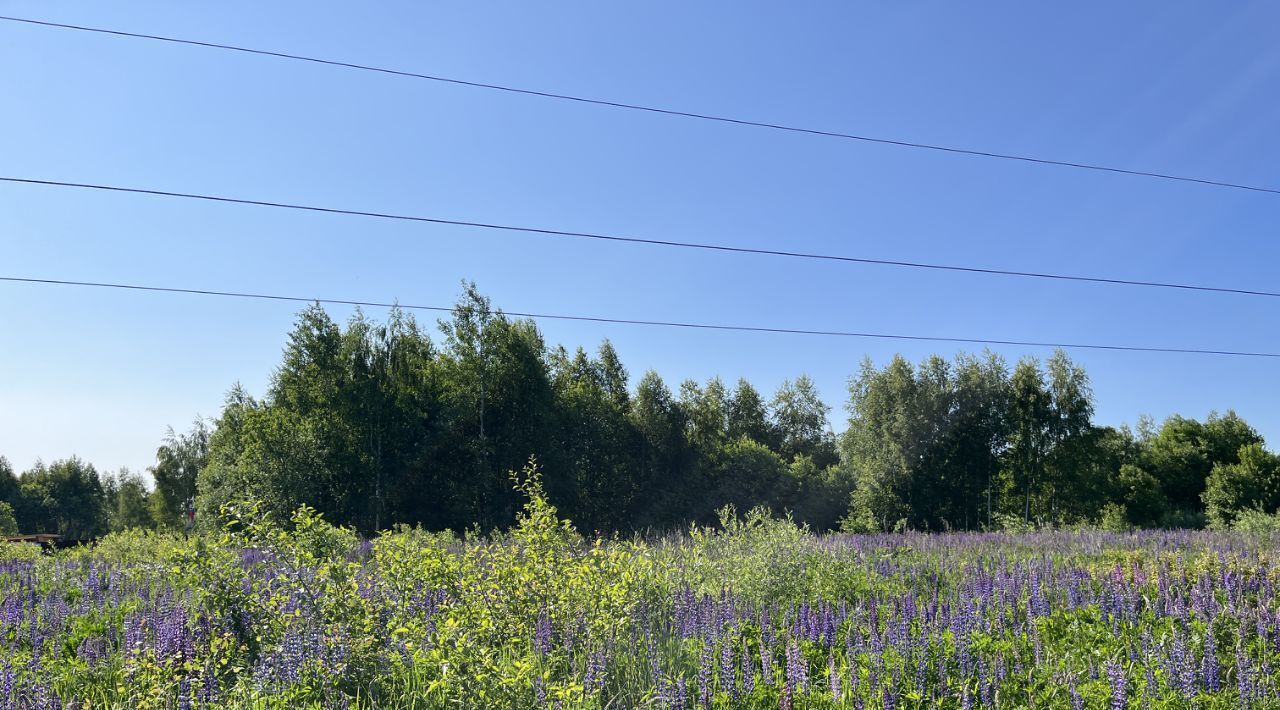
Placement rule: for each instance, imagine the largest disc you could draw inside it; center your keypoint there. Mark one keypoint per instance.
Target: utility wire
(640, 240)
(660, 323)
(654, 109)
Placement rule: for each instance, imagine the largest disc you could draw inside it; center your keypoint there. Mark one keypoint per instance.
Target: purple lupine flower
(1119, 685)
(92, 650)
(1244, 676)
(833, 678)
(1180, 667)
(184, 693)
(797, 672)
(705, 660)
(651, 649)
(542, 634)
(209, 687)
(594, 678)
(890, 698)
(727, 670)
(748, 672)
(6, 684)
(539, 692)
(134, 635)
(766, 664)
(984, 683)
(1209, 668)
(1077, 702)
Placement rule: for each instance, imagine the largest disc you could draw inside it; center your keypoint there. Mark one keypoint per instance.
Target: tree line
(376, 423)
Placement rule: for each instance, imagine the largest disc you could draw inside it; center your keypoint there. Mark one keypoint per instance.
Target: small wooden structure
(38, 538)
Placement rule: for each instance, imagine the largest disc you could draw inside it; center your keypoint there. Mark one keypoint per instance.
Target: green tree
(882, 443)
(924, 443)
(127, 502)
(10, 490)
(747, 415)
(1182, 453)
(178, 463)
(218, 483)
(1139, 493)
(8, 522)
(65, 498)
(1030, 413)
(350, 418)
(1068, 433)
(665, 463)
(613, 376)
(409, 420)
(748, 475)
(277, 458)
(320, 413)
(499, 409)
(819, 497)
(799, 418)
(8, 481)
(1252, 483)
(707, 412)
(974, 434)
(595, 441)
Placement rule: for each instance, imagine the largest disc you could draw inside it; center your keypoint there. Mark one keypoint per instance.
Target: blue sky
(1179, 87)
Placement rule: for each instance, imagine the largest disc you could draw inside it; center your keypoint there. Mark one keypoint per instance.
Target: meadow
(756, 612)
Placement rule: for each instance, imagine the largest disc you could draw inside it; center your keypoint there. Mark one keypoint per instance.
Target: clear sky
(1180, 87)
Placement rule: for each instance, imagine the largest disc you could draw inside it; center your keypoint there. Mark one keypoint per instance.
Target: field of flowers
(757, 614)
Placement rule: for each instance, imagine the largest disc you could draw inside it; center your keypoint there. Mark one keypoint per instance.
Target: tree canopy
(375, 423)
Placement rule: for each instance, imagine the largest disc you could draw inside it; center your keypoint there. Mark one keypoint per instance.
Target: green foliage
(1139, 495)
(748, 474)
(19, 552)
(821, 496)
(65, 498)
(1182, 454)
(298, 612)
(1253, 483)
(924, 443)
(1256, 522)
(1115, 518)
(178, 463)
(9, 486)
(544, 570)
(127, 502)
(1013, 524)
(8, 523)
(763, 558)
(132, 546)
(799, 423)
(747, 417)
(373, 424)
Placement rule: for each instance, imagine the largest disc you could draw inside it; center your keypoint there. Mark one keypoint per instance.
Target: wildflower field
(757, 613)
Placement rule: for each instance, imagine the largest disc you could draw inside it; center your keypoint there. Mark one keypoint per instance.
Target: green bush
(1257, 522)
(19, 551)
(1114, 518)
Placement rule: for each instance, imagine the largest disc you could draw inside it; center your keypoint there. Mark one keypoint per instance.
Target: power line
(642, 240)
(654, 109)
(658, 323)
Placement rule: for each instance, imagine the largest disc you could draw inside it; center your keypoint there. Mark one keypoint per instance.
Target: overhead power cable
(642, 240)
(653, 109)
(658, 323)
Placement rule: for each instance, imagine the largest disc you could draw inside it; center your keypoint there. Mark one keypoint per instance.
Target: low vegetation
(757, 612)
